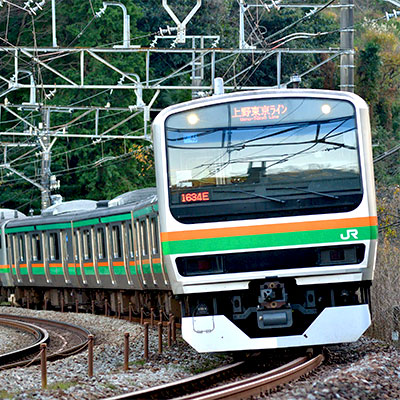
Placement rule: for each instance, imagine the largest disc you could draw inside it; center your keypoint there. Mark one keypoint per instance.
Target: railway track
(64, 339)
(241, 389)
(39, 335)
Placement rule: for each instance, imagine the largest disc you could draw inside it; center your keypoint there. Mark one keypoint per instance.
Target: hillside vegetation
(109, 168)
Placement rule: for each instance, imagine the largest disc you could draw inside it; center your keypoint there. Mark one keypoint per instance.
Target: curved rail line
(40, 336)
(80, 333)
(174, 389)
(259, 384)
(246, 388)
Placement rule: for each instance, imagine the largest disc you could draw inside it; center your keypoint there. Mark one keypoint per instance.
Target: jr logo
(350, 233)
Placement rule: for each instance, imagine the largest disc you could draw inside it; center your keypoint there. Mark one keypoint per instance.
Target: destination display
(259, 112)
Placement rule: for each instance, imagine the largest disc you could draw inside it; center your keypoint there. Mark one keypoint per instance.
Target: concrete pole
(347, 44)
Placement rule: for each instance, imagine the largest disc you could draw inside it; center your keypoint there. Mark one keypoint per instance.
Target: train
(261, 232)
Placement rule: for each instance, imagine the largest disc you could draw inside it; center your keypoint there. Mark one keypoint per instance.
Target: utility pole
(347, 45)
(47, 182)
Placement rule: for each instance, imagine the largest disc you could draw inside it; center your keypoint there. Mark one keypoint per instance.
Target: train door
(58, 272)
(125, 251)
(79, 247)
(64, 256)
(141, 248)
(158, 261)
(35, 244)
(110, 254)
(95, 254)
(105, 276)
(5, 271)
(133, 254)
(28, 257)
(15, 257)
(149, 242)
(46, 256)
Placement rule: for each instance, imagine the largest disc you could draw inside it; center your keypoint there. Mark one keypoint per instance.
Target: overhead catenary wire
(250, 73)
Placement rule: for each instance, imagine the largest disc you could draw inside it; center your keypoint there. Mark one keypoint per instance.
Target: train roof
(7, 213)
(79, 210)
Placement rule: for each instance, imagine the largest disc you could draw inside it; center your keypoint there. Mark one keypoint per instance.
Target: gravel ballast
(366, 369)
(68, 378)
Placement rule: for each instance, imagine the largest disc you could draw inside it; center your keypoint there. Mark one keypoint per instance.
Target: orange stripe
(55, 265)
(4, 267)
(88, 264)
(146, 261)
(266, 229)
(102, 264)
(118, 263)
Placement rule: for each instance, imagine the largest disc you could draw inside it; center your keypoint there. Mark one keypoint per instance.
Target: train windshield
(275, 156)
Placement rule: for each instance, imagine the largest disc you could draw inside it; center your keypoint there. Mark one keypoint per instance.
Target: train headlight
(326, 109)
(193, 119)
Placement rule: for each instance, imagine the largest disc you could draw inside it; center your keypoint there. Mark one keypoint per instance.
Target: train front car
(268, 217)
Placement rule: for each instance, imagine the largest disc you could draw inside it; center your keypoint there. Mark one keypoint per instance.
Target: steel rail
(260, 384)
(80, 332)
(40, 335)
(173, 389)
(237, 390)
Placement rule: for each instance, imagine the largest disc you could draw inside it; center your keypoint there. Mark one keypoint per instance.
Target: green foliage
(369, 72)
(108, 168)
(378, 82)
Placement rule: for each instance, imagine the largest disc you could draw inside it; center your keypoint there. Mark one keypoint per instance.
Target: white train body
(268, 218)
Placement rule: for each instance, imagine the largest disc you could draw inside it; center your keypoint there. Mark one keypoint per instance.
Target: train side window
(155, 235)
(101, 243)
(143, 232)
(130, 240)
(36, 247)
(87, 254)
(116, 240)
(54, 246)
(21, 248)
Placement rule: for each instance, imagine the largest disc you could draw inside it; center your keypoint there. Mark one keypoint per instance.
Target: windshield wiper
(331, 196)
(251, 194)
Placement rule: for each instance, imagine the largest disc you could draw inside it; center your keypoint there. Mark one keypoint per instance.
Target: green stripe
(114, 218)
(119, 270)
(157, 268)
(89, 271)
(146, 210)
(104, 270)
(20, 229)
(38, 270)
(132, 268)
(72, 271)
(127, 217)
(267, 240)
(56, 271)
(64, 225)
(93, 221)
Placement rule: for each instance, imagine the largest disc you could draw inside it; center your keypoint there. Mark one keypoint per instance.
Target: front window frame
(197, 205)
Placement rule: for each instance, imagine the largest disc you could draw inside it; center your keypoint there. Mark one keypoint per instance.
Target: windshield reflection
(272, 154)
